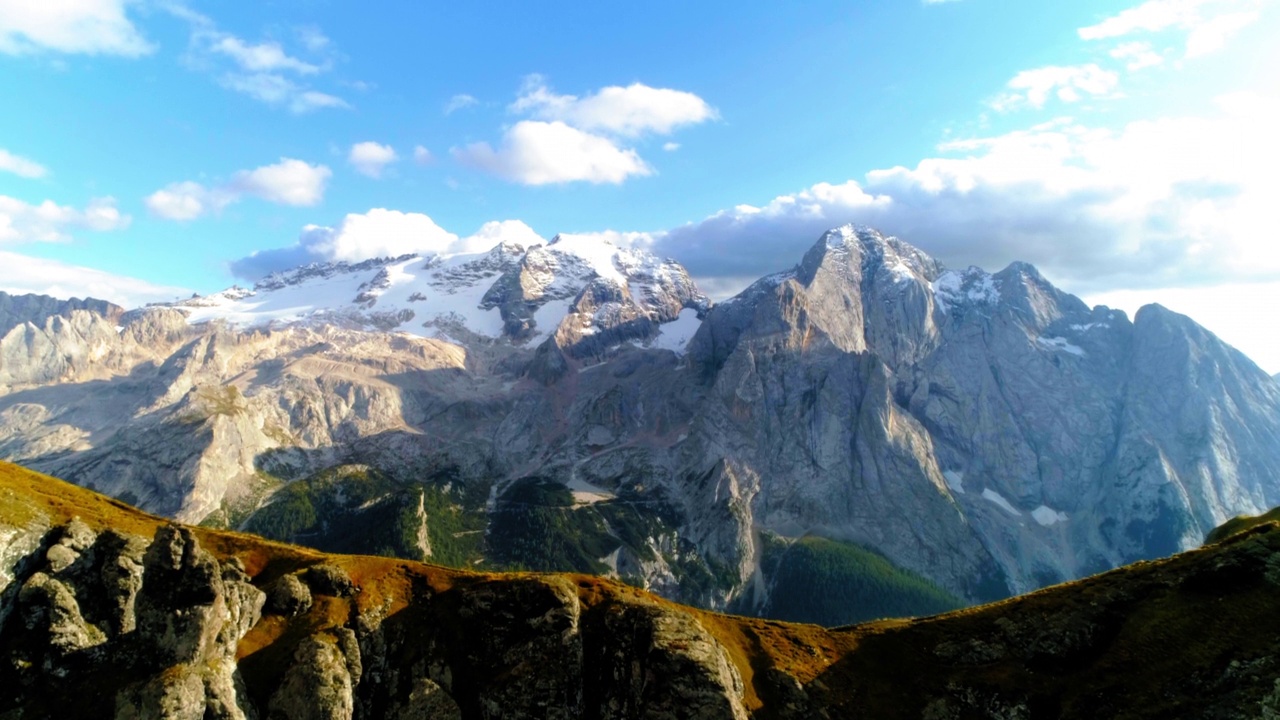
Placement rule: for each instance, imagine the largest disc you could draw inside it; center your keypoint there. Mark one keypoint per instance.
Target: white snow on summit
(452, 297)
(974, 285)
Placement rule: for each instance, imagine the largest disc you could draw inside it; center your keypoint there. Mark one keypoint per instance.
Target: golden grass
(884, 660)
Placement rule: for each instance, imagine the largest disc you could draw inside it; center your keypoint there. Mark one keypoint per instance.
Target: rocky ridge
(107, 612)
(983, 430)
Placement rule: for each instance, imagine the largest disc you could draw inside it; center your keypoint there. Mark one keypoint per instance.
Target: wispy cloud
(26, 274)
(288, 182)
(265, 70)
(1208, 24)
(1069, 84)
(21, 166)
(21, 221)
(458, 102)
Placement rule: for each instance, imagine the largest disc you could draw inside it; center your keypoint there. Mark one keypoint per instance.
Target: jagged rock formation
(985, 431)
(18, 310)
(114, 614)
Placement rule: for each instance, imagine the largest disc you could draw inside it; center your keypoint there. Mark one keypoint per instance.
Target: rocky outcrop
(163, 618)
(386, 638)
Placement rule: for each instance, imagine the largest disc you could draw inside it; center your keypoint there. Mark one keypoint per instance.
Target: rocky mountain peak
(16, 310)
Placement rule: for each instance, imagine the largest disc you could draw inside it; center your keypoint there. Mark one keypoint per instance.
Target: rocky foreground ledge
(108, 612)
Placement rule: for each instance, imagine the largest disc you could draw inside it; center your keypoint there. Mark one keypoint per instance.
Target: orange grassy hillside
(102, 601)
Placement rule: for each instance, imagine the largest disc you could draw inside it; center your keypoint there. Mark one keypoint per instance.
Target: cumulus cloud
(629, 111)
(20, 166)
(288, 182)
(422, 156)
(458, 102)
(1209, 24)
(379, 233)
(26, 274)
(541, 153)
(371, 158)
(1069, 84)
(92, 27)
(1156, 203)
(572, 139)
(50, 222)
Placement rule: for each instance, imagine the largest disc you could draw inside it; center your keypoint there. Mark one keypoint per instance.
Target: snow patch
(998, 499)
(1060, 343)
(1047, 516)
(955, 480)
(973, 286)
(676, 334)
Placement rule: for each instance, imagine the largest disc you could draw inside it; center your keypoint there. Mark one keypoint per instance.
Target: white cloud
(20, 166)
(264, 71)
(94, 27)
(1159, 203)
(278, 90)
(49, 222)
(288, 182)
(187, 200)
(1214, 35)
(1209, 24)
(1138, 55)
(671, 146)
(576, 139)
(1151, 16)
(370, 158)
(26, 274)
(542, 153)
(260, 57)
(629, 111)
(422, 156)
(458, 102)
(380, 233)
(1234, 313)
(1068, 83)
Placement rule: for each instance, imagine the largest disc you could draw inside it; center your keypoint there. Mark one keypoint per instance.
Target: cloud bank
(288, 182)
(50, 222)
(379, 233)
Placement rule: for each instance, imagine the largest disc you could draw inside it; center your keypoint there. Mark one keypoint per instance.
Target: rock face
(539, 409)
(156, 620)
(18, 310)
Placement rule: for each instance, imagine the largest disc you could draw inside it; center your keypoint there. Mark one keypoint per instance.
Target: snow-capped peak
(514, 292)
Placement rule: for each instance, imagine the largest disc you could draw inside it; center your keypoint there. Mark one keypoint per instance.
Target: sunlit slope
(1194, 635)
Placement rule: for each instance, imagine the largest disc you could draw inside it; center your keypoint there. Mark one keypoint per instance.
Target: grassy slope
(1147, 640)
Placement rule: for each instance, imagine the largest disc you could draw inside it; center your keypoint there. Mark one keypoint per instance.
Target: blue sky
(1127, 148)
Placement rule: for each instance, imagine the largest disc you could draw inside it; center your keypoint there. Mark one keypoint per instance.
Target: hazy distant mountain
(868, 418)
(37, 309)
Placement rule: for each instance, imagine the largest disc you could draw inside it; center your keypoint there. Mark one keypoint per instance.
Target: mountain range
(867, 419)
